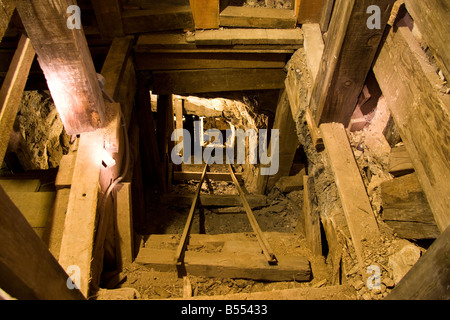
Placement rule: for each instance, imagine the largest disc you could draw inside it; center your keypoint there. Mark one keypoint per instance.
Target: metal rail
(266, 249)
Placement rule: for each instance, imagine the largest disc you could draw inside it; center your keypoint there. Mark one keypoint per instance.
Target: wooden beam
(311, 220)
(400, 162)
(115, 63)
(214, 200)
(288, 140)
(432, 19)
(348, 55)
(28, 269)
(79, 229)
(12, 90)
(352, 192)
(428, 279)
(124, 225)
(206, 13)
(230, 265)
(421, 112)
(157, 19)
(245, 17)
(406, 210)
(185, 61)
(67, 64)
(228, 37)
(6, 11)
(108, 14)
(310, 11)
(217, 80)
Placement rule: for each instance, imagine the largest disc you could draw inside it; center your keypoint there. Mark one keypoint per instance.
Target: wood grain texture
(67, 64)
(421, 113)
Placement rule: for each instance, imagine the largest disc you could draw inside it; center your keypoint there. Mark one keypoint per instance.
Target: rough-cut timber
(157, 19)
(78, 238)
(6, 10)
(406, 210)
(421, 113)
(67, 64)
(108, 14)
(400, 162)
(12, 90)
(428, 279)
(206, 13)
(348, 55)
(352, 192)
(245, 17)
(217, 80)
(28, 269)
(432, 19)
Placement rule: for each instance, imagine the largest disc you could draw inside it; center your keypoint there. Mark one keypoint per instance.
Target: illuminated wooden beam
(67, 64)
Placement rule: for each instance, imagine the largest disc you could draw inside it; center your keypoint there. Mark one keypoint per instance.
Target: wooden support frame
(421, 112)
(348, 55)
(12, 88)
(28, 269)
(72, 80)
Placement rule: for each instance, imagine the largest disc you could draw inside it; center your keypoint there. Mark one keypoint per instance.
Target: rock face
(38, 138)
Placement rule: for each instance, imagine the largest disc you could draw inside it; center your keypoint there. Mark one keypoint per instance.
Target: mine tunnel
(206, 149)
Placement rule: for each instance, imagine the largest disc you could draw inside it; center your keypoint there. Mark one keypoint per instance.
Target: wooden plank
(310, 11)
(73, 80)
(124, 230)
(432, 19)
(352, 192)
(314, 47)
(186, 61)
(55, 225)
(220, 265)
(28, 270)
(157, 19)
(245, 17)
(78, 238)
(108, 14)
(406, 210)
(216, 176)
(217, 80)
(12, 90)
(400, 162)
(348, 55)
(19, 185)
(228, 37)
(428, 279)
(214, 200)
(312, 221)
(115, 63)
(421, 113)
(206, 13)
(288, 140)
(65, 172)
(6, 11)
(35, 206)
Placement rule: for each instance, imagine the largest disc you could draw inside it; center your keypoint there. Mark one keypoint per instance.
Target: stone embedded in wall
(38, 137)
